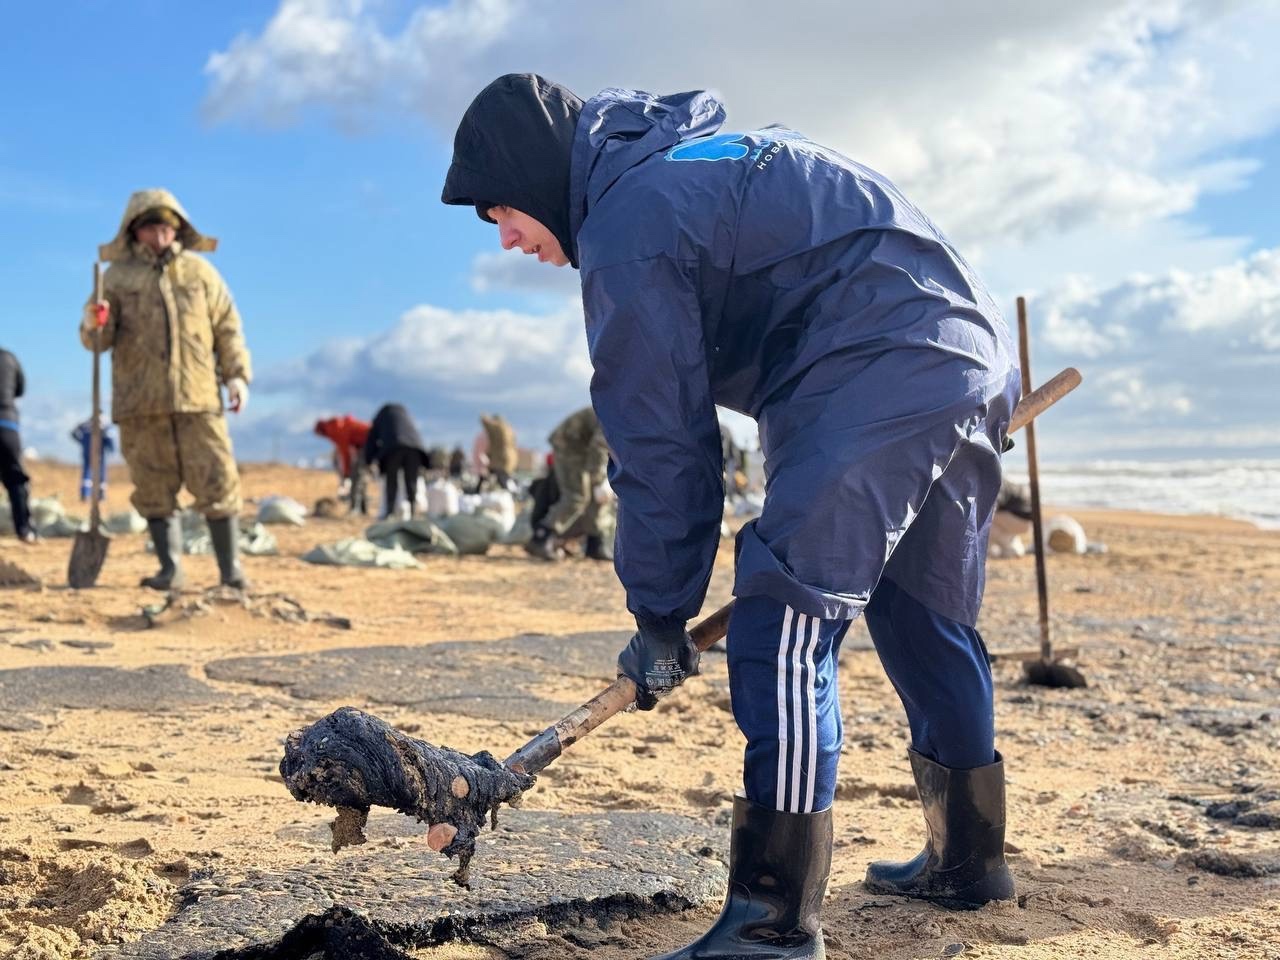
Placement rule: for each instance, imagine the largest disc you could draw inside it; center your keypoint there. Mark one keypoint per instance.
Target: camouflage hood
(140, 203)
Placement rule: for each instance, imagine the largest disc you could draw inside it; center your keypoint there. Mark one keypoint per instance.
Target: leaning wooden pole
(1037, 524)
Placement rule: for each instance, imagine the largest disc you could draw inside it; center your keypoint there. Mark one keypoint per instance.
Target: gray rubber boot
(166, 537)
(225, 534)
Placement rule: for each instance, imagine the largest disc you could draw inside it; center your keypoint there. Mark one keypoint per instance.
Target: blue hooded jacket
(773, 276)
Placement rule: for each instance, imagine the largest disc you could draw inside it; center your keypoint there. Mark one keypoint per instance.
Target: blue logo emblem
(723, 146)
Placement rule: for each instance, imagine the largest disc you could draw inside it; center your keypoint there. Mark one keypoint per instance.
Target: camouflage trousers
(576, 512)
(166, 453)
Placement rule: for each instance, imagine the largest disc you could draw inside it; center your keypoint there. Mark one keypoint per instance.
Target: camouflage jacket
(579, 436)
(173, 328)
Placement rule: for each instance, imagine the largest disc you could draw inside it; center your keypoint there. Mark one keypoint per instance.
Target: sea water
(1242, 489)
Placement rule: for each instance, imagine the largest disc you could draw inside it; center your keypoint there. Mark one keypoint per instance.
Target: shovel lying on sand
(351, 760)
(90, 549)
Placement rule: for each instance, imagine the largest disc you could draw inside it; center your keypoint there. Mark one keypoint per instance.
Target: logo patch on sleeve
(723, 146)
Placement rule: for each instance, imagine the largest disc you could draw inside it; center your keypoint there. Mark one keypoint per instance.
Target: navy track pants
(783, 684)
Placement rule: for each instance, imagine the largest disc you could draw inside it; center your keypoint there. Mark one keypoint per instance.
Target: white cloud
(1126, 391)
(1005, 119)
(310, 51)
(512, 271)
(1153, 379)
(47, 419)
(1235, 307)
(1170, 359)
(449, 365)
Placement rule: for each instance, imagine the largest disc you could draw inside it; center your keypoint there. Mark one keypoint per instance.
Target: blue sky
(1117, 162)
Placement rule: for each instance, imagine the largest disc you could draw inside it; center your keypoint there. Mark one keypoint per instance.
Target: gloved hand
(237, 394)
(95, 315)
(657, 660)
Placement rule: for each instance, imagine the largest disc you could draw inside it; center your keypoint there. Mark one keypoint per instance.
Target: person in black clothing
(15, 479)
(457, 463)
(396, 448)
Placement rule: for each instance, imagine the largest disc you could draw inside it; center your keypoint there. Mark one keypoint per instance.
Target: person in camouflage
(502, 447)
(175, 339)
(581, 460)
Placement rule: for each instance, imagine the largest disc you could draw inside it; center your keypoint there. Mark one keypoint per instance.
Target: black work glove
(657, 660)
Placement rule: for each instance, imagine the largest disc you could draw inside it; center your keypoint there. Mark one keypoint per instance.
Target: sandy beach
(1144, 810)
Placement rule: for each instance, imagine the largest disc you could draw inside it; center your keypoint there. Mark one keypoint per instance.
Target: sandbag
(1064, 534)
(442, 498)
(521, 531)
(49, 519)
(278, 509)
(501, 506)
(255, 539)
(355, 552)
(472, 533)
(414, 536)
(126, 521)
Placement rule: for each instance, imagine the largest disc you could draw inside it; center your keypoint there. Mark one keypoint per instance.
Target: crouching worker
(579, 463)
(769, 274)
(348, 436)
(395, 447)
(174, 335)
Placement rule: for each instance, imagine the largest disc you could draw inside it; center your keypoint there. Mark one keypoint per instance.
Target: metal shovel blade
(90, 550)
(1053, 673)
(87, 556)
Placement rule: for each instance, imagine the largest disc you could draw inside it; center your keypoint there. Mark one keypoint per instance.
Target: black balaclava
(513, 148)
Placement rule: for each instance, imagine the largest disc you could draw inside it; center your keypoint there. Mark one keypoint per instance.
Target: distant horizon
(1014, 463)
(1245, 489)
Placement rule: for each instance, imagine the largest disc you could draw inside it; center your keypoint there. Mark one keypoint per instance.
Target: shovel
(352, 760)
(90, 549)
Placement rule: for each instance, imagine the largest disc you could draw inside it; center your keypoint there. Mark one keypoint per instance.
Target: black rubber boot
(166, 537)
(543, 545)
(225, 534)
(599, 549)
(962, 865)
(778, 869)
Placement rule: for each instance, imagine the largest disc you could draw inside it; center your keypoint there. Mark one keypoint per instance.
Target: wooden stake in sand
(1046, 671)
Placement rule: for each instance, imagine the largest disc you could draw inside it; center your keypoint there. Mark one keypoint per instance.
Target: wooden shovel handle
(1038, 401)
(95, 427)
(551, 742)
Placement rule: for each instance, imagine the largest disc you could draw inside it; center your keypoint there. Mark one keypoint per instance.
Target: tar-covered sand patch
(1142, 814)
